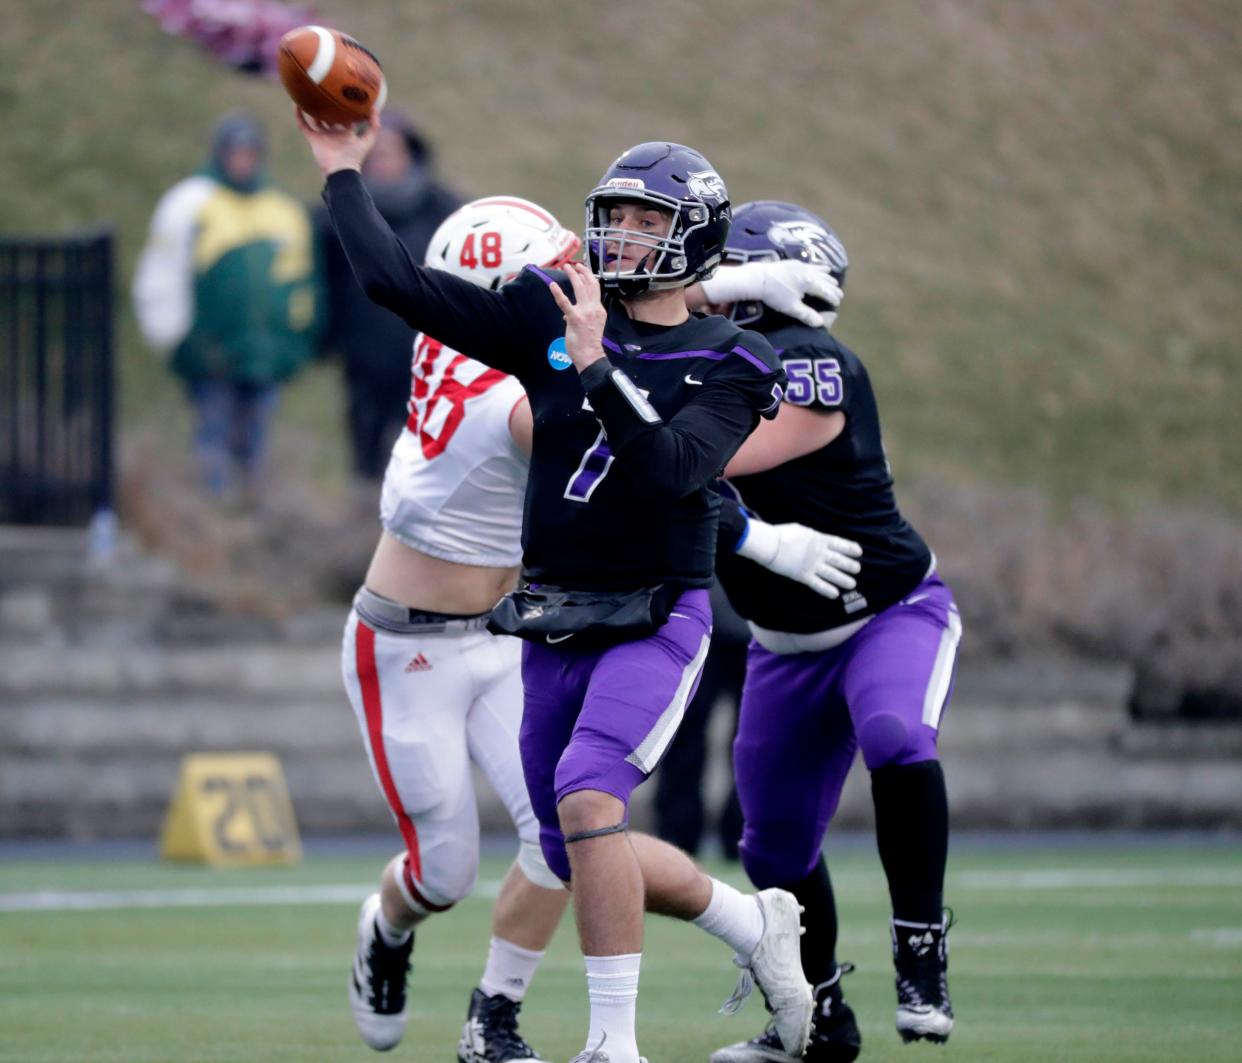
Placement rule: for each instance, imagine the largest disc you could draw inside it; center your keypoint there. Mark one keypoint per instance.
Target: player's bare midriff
(420, 581)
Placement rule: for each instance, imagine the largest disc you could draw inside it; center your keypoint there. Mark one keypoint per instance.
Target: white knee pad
(532, 864)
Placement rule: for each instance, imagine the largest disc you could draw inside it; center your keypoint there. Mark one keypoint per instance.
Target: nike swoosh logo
(917, 598)
(691, 380)
(554, 639)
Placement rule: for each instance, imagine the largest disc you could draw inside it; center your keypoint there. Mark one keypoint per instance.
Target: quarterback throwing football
(574, 513)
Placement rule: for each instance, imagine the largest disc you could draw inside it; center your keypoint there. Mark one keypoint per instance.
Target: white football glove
(825, 563)
(782, 285)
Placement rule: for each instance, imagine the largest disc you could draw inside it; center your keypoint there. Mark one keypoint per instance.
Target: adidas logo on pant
(419, 664)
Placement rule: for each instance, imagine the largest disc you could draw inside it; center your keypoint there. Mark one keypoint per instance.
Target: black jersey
(844, 488)
(618, 495)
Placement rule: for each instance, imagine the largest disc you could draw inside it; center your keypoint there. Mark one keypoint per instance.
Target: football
(333, 79)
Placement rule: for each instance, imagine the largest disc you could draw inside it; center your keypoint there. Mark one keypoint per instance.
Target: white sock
(612, 988)
(393, 937)
(734, 917)
(509, 969)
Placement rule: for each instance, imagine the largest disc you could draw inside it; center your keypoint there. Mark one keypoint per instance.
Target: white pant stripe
(942, 671)
(648, 754)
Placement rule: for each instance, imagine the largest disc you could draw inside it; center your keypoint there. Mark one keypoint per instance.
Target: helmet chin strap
(642, 269)
(638, 275)
(644, 264)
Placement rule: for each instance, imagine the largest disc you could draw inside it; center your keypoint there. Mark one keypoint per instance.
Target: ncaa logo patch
(558, 354)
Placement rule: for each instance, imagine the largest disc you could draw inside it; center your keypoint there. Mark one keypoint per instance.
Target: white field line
(1085, 974)
(351, 893)
(222, 897)
(1105, 879)
(1224, 936)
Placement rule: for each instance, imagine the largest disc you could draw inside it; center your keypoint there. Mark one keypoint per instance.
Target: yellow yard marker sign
(231, 809)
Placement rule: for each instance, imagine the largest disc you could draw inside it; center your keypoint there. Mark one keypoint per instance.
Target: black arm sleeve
(486, 325)
(670, 459)
(329, 249)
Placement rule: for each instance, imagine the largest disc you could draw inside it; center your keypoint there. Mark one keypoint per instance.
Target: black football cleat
(921, 958)
(490, 1034)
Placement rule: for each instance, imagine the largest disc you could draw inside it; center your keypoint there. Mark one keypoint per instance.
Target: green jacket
(230, 283)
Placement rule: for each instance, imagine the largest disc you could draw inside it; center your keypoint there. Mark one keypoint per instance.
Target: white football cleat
(776, 968)
(597, 1054)
(834, 1033)
(377, 985)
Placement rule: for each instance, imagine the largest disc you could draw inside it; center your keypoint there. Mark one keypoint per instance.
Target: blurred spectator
(374, 343)
(681, 816)
(227, 285)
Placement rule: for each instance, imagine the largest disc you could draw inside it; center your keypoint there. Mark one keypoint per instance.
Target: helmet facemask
(750, 310)
(665, 264)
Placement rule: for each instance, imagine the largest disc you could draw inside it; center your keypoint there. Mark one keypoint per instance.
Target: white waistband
(785, 642)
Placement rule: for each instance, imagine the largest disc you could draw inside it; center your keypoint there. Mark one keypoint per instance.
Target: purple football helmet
(674, 178)
(766, 230)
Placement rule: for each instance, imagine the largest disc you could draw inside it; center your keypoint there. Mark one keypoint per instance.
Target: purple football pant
(804, 715)
(602, 719)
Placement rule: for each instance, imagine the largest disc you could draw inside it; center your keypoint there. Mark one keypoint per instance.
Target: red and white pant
(430, 705)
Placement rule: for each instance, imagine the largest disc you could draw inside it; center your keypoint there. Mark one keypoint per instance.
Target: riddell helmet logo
(706, 184)
(819, 247)
(625, 182)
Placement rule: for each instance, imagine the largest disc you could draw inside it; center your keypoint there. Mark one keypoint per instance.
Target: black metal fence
(56, 381)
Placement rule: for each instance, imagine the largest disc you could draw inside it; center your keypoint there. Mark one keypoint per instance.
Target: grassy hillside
(1040, 200)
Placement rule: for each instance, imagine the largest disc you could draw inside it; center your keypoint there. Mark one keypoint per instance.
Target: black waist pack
(590, 618)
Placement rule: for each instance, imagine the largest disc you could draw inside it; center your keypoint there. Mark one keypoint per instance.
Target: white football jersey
(456, 480)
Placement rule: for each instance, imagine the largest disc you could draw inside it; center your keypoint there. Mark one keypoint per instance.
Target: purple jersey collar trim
(715, 356)
(547, 278)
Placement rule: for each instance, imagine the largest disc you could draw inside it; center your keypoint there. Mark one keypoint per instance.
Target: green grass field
(1058, 954)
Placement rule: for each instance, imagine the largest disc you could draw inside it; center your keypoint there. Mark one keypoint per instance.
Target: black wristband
(595, 374)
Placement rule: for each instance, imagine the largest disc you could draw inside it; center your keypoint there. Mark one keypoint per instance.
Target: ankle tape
(583, 835)
(409, 890)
